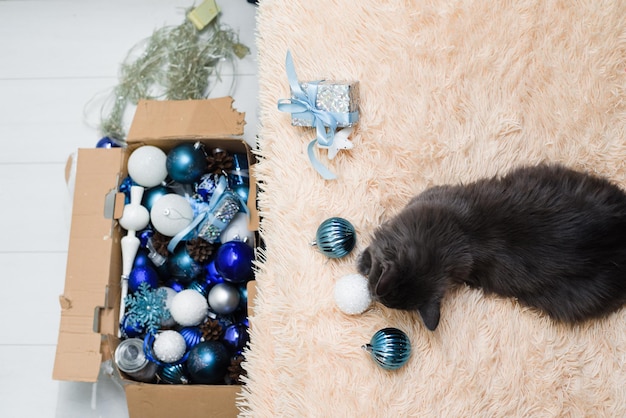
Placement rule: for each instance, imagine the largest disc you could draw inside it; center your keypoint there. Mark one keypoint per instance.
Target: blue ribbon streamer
(221, 187)
(304, 102)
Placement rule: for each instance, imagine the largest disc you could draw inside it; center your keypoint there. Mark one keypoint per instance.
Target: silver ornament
(224, 298)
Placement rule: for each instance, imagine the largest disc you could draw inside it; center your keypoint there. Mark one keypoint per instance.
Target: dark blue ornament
(192, 336)
(243, 298)
(390, 348)
(208, 362)
(236, 337)
(107, 142)
(151, 195)
(141, 259)
(125, 186)
(142, 274)
(130, 328)
(182, 266)
(335, 237)
(206, 186)
(144, 236)
(233, 261)
(239, 177)
(177, 286)
(186, 162)
(175, 374)
(212, 276)
(199, 287)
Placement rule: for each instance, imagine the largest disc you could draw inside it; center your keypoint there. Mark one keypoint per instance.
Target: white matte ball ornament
(237, 230)
(189, 308)
(146, 166)
(169, 346)
(171, 214)
(352, 294)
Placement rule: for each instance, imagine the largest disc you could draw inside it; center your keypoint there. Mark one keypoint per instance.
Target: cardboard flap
(211, 118)
(88, 271)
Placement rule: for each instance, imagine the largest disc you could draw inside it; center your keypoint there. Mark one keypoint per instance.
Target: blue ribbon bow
(304, 102)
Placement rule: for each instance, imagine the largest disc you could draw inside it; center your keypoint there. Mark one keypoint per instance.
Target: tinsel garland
(175, 63)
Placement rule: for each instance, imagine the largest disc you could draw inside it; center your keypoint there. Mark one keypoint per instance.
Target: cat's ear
(385, 281)
(430, 313)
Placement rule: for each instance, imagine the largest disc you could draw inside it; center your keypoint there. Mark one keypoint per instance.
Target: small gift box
(339, 98)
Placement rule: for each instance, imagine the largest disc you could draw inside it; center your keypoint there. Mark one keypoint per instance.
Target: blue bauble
(131, 329)
(211, 275)
(151, 195)
(174, 374)
(144, 236)
(236, 337)
(208, 362)
(192, 336)
(177, 286)
(141, 259)
(335, 237)
(186, 162)
(107, 142)
(243, 298)
(206, 186)
(233, 261)
(390, 348)
(182, 266)
(200, 287)
(243, 192)
(142, 274)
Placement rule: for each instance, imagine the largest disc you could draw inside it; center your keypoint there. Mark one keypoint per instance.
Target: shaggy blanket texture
(451, 91)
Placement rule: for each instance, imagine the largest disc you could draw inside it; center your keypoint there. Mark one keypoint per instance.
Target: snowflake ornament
(147, 307)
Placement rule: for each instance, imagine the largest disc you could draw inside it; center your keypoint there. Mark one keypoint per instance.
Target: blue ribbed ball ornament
(186, 162)
(175, 374)
(335, 237)
(192, 336)
(390, 348)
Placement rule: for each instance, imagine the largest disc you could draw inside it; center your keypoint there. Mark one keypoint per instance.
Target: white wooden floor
(55, 56)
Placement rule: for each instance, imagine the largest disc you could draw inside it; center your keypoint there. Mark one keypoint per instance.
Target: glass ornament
(234, 260)
(224, 298)
(186, 162)
(146, 166)
(170, 214)
(175, 374)
(182, 266)
(130, 329)
(151, 195)
(211, 275)
(208, 362)
(192, 336)
(142, 274)
(390, 348)
(335, 237)
(236, 337)
(107, 142)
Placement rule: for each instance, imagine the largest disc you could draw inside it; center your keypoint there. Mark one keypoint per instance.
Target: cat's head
(413, 259)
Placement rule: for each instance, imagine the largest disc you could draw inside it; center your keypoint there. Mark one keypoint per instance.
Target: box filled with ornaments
(160, 260)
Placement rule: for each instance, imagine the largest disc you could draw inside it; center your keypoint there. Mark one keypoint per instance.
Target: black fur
(551, 237)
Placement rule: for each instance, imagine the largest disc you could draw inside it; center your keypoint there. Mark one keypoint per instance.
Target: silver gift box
(338, 97)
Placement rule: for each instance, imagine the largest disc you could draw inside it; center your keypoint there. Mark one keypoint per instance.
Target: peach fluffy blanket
(451, 90)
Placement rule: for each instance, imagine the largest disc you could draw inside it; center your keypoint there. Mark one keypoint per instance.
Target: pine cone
(211, 330)
(219, 162)
(199, 249)
(159, 242)
(235, 371)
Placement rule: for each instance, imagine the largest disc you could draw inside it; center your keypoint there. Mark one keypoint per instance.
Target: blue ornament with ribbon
(326, 106)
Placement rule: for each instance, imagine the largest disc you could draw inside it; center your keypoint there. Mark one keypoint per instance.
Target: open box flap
(211, 118)
(91, 256)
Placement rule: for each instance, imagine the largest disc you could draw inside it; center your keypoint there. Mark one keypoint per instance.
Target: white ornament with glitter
(189, 308)
(169, 346)
(352, 294)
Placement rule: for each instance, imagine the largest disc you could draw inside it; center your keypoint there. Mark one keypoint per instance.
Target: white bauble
(146, 166)
(169, 346)
(237, 230)
(189, 308)
(352, 294)
(171, 214)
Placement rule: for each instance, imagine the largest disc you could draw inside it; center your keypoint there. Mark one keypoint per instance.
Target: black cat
(551, 237)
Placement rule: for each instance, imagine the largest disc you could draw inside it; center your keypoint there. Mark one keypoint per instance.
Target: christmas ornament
(208, 362)
(236, 337)
(234, 261)
(130, 246)
(146, 166)
(174, 374)
(335, 237)
(352, 294)
(182, 266)
(199, 287)
(192, 336)
(147, 307)
(235, 371)
(151, 195)
(135, 217)
(243, 297)
(176, 286)
(170, 293)
(212, 276)
(169, 346)
(189, 308)
(237, 230)
(130, 358)
(206, 186)
(239, 177)
(144, 236)
(140, 275)
(142, 259)
(219, 216)
(223, 298)
(186, 162)
(130, 329)
(171, 214)
(106, 142)
(390, 348)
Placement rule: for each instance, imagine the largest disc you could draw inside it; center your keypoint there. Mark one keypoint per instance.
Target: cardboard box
(90, 303)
